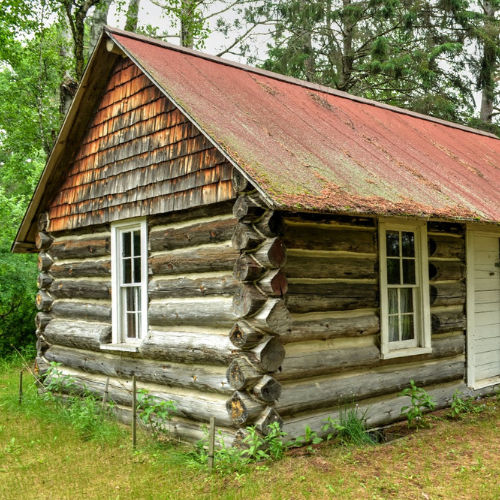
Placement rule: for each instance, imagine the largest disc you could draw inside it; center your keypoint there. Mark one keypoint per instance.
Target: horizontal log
(274, 283)
(44, 280)
(378, 411)
(244, 336)
(80, 289)
(442, 270)
(446, 227)
(43, 301)
(315, 393)
(186, 347)
(338, 296)
(192, 287)
(78, 334)
(273, 318)
(268, 355)
(246, 238)
(248, 300)
(443, 246)
(206, 312)
(332, 220)
(44, 262)
(323, 326)
(87, 311)
(270, 224)
(447, 294)
(199, 233)
(246, 268)
(189, 404)
(197, 377)
(249, 208)
(242, 409)
(267, 389)
(43, 221)
(81, 269)
(194, 213)
(43, 241)
(312, 237)
(242, 374)
(271, 254)
(303, 265)
(240, 182)
(269, 416)
(41, 346)
(80, 249)
(195, 260)
(42, 319)
(447, 321)
(315, 358)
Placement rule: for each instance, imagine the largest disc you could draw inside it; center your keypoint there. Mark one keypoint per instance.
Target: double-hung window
(404, 291)
(129, 270)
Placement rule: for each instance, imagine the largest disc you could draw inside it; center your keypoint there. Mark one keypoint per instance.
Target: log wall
(332, 350)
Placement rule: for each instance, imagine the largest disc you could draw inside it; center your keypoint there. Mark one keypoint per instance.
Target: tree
(404, 53)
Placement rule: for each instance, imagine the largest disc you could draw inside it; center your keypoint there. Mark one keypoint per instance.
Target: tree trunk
(97, 22)
(132, 15)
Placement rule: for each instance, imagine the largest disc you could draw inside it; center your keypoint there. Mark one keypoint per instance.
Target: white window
(129, 272)
(404, 289)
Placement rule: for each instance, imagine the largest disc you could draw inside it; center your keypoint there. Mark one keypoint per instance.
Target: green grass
(43, 455)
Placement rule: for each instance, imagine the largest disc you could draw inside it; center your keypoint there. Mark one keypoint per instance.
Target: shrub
(419, 402)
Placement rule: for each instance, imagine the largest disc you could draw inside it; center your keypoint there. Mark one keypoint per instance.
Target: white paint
(483, 308)
(422, 317)
(116, 305)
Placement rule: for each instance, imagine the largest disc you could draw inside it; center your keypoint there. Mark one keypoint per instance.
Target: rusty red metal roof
(313, 148)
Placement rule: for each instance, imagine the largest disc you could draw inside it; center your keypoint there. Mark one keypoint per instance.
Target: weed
(352, 429)
(309, 438)
(154, 413)
(419, 401)
(460, 406)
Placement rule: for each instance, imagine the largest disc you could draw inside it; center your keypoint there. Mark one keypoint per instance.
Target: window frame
(422, 318)
(118, 339)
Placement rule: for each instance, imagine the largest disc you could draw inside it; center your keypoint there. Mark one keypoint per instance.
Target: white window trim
(422, 314)
(118, 342)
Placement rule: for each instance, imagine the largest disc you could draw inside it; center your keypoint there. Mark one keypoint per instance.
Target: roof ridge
(295, 81)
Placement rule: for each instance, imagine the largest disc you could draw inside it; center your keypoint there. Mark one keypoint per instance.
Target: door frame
(471, 231)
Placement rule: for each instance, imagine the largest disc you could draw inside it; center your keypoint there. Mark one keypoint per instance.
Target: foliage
(154, 412)
(460, 405)
(350, 429)
(419, 402)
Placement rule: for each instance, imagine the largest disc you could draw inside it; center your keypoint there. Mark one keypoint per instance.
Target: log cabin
(261, 249)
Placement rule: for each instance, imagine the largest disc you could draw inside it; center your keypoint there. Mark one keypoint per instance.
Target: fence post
(134, 413)
(211, 443)
(20, 387)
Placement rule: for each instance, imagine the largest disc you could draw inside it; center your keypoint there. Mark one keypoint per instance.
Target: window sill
(119, 347)
(402, 353)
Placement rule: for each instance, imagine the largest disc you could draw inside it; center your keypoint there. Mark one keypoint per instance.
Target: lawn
(43, 456)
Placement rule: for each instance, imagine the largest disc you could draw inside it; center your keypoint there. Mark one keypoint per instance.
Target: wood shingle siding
(139, 156)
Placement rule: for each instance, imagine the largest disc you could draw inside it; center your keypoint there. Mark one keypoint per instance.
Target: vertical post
(134, 412)
(20, 387)
(106, 392)
(211, 443)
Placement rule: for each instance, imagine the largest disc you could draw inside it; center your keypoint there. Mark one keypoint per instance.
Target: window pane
(131, 299)
(137, 270)
(127, 270)
(392, 242)
(393, 272)
(393, 328)
(407, 331)
(409, 272)
(126, 244)
(408, 242)
(406, 295)
(137, 243)
(393, 300)
(131, 325)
